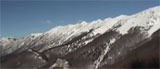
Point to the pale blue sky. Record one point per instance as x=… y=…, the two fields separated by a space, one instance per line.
x=19 y=18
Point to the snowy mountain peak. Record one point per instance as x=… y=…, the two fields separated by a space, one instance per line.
x=83 y=23
x=36 y=34
x=149 y=18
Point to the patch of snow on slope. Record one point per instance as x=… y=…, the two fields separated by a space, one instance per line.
x=103 y=53
x=88 y=41
x=60 y=63
x=155 y=27
x=155 y=20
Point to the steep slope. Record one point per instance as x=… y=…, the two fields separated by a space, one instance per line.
x=98 y=44
x=146 y=55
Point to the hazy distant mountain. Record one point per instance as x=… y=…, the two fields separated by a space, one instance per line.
x=120 y=42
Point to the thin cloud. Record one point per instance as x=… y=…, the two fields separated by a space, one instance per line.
x=47 y=22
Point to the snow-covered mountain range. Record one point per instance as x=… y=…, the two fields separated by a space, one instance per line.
x=96 y=44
